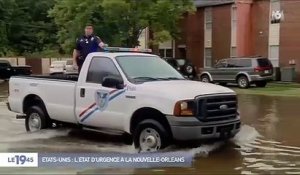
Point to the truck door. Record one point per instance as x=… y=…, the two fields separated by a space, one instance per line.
x=96 y=105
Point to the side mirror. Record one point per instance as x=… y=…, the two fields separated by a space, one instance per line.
x=113 y=82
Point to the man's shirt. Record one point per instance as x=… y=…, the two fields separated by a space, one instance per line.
x=86 y=45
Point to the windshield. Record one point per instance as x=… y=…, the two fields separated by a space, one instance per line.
x=147 y=68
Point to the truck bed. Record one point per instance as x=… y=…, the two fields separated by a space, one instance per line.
x=56 y=91
x=56 y=76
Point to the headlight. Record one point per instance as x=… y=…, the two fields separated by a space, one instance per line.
x=189 y=69
x=184 y=108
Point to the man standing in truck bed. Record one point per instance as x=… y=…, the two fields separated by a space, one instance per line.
x=86 y=44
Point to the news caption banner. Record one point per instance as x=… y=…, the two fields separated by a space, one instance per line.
x=97 y=160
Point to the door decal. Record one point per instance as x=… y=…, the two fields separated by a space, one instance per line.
x=102 y=99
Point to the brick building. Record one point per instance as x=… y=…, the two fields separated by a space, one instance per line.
x=233 y=28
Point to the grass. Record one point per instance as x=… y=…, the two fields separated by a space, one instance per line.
x=273 y=89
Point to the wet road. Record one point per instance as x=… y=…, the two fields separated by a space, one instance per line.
x=267 y=144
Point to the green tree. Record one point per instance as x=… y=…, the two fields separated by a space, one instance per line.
x=6 y=10
x=132 y=16
x=29 y=28
x=72 y=15
x=119 y=22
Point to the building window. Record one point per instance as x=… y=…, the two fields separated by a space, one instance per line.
x=233 y=25
x=208 y=27
x=165 y=53
x=208 y=14
x=169 y=53
x=274 y=55
x=275 y=5
x=208 y=37
x=233 y=52
x=162 y=53
x=208 y=57
x=274 y=51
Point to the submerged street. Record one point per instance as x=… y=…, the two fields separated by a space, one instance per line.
x=268 y=142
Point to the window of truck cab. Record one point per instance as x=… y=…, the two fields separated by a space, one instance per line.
x=101 y=67
x=134 y=66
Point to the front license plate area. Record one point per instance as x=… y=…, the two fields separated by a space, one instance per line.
x=225 y=131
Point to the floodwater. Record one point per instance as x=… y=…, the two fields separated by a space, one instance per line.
x=268 y=142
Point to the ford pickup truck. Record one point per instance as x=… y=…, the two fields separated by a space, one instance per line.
x=137 y=93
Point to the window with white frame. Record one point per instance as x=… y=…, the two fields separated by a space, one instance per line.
x=274 y=35
x=208 y=57
x=166 y=52
x=233 y=52
x=208 y=27
x=208 y=37
x=274 y=55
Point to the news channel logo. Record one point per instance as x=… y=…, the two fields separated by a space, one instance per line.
x=96 y=160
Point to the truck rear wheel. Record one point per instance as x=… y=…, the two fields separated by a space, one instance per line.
x=150 y=136
x=35 y=119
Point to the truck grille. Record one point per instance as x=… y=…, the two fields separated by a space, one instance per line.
x=216 y=108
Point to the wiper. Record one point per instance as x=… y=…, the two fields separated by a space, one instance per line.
x=146 y=78
x=171 y=78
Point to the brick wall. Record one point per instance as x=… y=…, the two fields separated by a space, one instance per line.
x=221 y=32
x=260 y=13
x=290 y=35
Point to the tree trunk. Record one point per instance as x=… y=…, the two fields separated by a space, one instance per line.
x=154 y=47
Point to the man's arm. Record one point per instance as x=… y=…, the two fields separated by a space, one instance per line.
x=101 y=44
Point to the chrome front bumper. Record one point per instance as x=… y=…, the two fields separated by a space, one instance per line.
x=190 y=128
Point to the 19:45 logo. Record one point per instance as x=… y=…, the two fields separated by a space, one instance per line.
x=20 y=159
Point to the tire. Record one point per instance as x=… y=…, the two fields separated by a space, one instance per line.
x=243 y=82
x=261 y=83
x=153 y=131
x=36 y=119
x=205 y=79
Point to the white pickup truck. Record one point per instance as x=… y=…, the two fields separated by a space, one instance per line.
x=137 y=93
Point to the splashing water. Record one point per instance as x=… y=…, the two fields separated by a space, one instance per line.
x=43 y=134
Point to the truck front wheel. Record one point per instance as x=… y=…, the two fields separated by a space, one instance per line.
x=150 y=136
x=35 y=119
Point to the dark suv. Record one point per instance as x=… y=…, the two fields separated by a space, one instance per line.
x=243 y=71
x=7 y=70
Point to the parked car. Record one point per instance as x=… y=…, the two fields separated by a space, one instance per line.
x=243 y=71
x=62 y=66
x=7 y=70
x=133 y=93
x=184 y=66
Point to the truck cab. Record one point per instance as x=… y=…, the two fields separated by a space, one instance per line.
x=136 y=93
